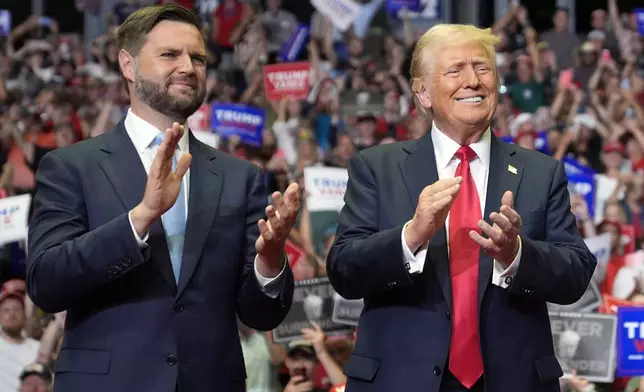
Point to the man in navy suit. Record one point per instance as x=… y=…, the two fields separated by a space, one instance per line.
x=154 y=242
x=456 y=241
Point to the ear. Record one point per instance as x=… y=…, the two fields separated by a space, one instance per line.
x=423 y=98
x=127 y=65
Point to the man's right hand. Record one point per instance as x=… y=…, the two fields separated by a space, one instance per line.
x=299 y=384
x=164 y=185
x=433 y=206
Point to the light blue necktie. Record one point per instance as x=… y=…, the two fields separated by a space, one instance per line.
x=174 y=221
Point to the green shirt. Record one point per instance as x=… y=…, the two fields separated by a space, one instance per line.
x=528 y=97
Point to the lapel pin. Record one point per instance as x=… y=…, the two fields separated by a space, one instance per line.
x=512 y=169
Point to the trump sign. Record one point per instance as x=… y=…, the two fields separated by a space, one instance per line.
x=630 y=341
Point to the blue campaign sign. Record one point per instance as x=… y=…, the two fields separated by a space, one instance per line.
x=247 y=122
x=630 y=341
x=639 y=16
x=572 y=166
x=393 y=6
x=584 y=185
x=293 y=47
x=5 y=22
x=427 y=9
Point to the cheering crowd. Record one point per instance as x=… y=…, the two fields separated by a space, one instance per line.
x=577 y=97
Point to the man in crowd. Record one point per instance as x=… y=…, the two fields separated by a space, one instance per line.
x=153 y=280
x=457 y=257
x=16 y=351
x=35 y=378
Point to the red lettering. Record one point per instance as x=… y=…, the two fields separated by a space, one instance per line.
x=639 y=345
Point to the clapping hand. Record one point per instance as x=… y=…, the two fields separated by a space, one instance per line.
x=503 y=238
x=164 y=184
x=273 y=231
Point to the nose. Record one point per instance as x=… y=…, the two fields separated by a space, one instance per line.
x=470 y=78
x=185 y=64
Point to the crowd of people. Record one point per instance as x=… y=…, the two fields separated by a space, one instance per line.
x=576 y=97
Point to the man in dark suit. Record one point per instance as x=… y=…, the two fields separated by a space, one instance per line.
x=456 y=241
x=153 y=242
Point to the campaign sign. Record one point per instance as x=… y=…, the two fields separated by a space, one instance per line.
x=326 y=187
x=312 y=302
x=294 y=253
x=572 y=166
x=293 y=47
x=287 y=80
x=639 y=16
x=247 y=122
x=583 y=185
x=393 y=6
x=585 y=342
x=14 y=218
x=200 y=120
x=630 y=341
x=341 y=12
x=346 y=311
x=5 y=22
x=430 y=10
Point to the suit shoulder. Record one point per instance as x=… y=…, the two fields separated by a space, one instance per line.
x=80 y=151
x=230 y=161
x=387 y=152
x=533 y=158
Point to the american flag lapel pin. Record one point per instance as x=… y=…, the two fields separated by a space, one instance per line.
x=512 y=169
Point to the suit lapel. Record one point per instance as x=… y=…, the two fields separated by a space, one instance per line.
x=123 y=168
x=504 y=175
x=419 y=170
x=206 y=185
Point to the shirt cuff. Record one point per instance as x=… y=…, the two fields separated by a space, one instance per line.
x=413 y=263
x=503 y=277
x=270 y=286
x=141 y=241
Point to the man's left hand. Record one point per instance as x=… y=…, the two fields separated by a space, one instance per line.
x=273 y=232
x=503 y=238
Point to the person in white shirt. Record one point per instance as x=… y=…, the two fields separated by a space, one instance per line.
x=16 y=350
x=153 y=242
x=456 y=241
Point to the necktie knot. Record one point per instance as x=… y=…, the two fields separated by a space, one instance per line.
x=465 y=153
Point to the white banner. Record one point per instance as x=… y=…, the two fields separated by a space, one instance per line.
x=599 y=246
x=14 y=218
x=341 y=12
x=325 y=187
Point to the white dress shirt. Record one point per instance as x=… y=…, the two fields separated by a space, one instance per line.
x=142 y=134
x=446 y=164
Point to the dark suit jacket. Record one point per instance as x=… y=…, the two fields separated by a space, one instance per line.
x=404 y=331
x=129 y=326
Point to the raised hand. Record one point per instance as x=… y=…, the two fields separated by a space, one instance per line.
x=431 y=211
x=503 y=238
x=164 y=184
x=273 y=231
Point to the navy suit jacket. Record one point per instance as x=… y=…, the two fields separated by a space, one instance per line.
x=404 y=330
x=130 y=327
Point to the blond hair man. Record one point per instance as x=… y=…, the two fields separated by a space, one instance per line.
x=456 y=241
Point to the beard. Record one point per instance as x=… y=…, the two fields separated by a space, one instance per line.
x=159 y=98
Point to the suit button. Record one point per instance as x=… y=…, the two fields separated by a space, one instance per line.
x=126 y=262
x=171 y=360
x=178 y=307
x=448 y=314
x=437 y=370
x=508 y=280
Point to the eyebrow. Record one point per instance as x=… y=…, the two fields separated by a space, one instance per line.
x=458 y=62
x=176 y=50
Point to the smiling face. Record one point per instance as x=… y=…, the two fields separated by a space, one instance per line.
x=462 y=89
x=169 y=72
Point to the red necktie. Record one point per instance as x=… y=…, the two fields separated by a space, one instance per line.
x=465 y=361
